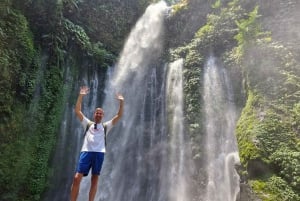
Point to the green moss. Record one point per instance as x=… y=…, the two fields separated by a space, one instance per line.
x=245 y=130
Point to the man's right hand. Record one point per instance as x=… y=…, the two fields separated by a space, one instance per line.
x=84 y=90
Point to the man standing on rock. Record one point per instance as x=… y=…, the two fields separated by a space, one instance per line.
x=93 y=148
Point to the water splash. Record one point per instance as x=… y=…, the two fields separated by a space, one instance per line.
x=221 y=145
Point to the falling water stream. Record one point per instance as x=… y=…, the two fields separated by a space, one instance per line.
x=136 y=157
x=221 y=146
x=181 y=165
x=148 y=155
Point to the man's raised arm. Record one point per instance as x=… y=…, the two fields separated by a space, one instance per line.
x=117 y=117
x=83 y=91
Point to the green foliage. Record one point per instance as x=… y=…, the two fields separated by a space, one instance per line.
x=24 y=155
x=192 y=77
x=217 y=34
x=78 y=35
x=249 y=31
x=30 y=139
x=5 y=7
x=102 y=55
x=107 y=21
x=270 y=130
x=192 y=83
x=274 y=133
x=192 y=74
x=48 y=120
x=179 y=7
x=248 y=28
x=217 y=4
x=17 y=59
x=295 y=119
x=272 y=70
x=245 y=130
x=273 y=136
x=208 y=29
x=274 y=189
x=288 y=162
x=15 y=159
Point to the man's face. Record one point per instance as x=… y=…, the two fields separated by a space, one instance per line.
x=98 y=115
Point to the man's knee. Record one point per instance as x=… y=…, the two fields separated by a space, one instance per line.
x=94 y=180
x=77 y=179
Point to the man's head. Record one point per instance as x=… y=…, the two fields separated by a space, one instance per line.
x=98 y=115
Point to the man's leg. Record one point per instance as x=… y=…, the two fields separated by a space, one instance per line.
x=94 y=185
x=96 y=168
x=75 y=186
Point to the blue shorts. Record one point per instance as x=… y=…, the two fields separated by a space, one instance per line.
x=88 y=160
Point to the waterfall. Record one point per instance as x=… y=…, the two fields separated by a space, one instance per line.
x=148 y=152
x=221 y=146
x=180 y=165
x=136 y=159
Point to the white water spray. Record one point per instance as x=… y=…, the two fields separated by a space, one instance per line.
x=221 y=146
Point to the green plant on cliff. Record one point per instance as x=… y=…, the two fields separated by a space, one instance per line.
x=274 y=189
x=78 y=35
x=217 y=35
x=45 y=133
x=16 y=59
x=18 y=72
x=266 y=130
x=245 y=130
x=179 y=6
x=192 y=85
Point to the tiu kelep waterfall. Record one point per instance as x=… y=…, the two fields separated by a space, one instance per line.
x=136 y=159
x=148 y=154
x=221 y=146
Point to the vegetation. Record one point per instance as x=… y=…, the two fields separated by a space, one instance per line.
x=18 y=66
x=274 y=189
x=17 y=58
x=179 y=6
x=266 y=124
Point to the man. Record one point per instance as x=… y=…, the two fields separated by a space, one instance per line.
x=93 y=148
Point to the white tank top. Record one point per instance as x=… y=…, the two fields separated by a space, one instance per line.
x=94 y=138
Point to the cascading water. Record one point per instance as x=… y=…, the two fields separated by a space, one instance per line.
x=181 y=165
x=221 y=147
x=148 y=154
x=136 y=157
